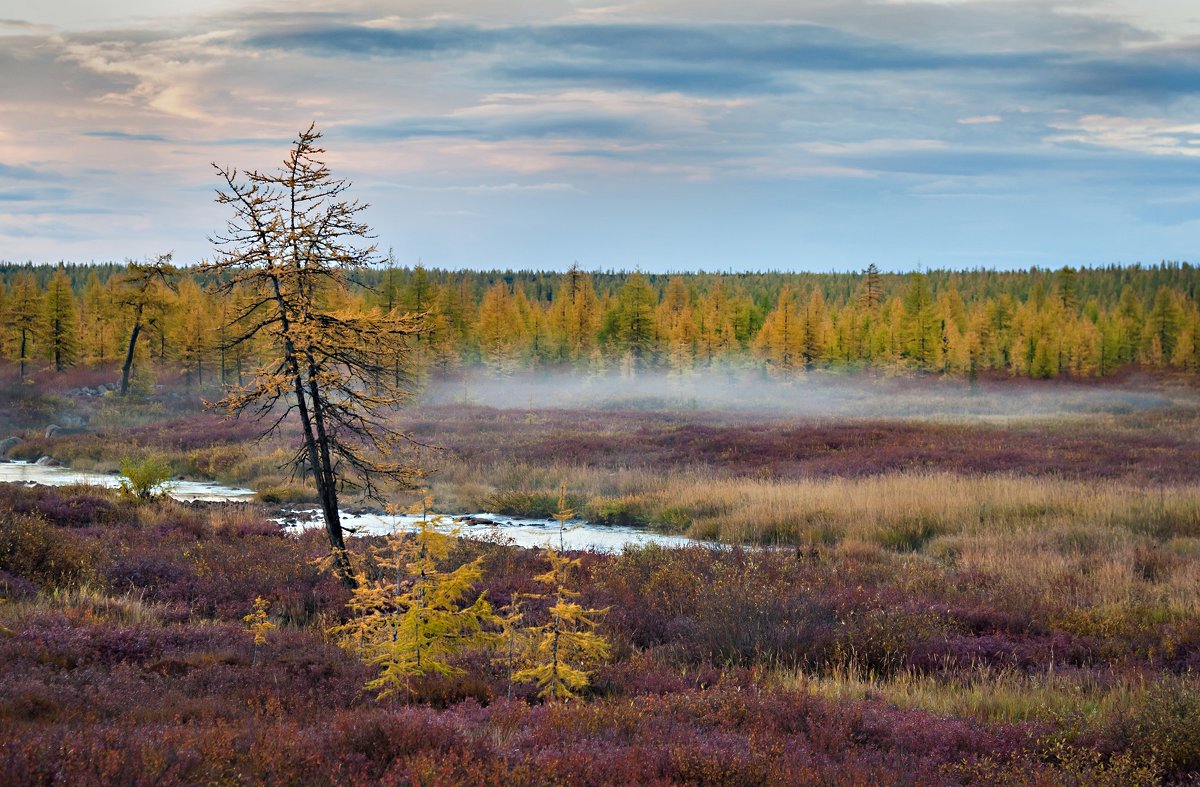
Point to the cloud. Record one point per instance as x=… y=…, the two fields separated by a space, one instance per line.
x=1151 y=136
x=15 y=172
x=716 y=58
x=364 y=41
x=22 y=25
x=682 y=129
x=577 y=126
x=1148 y=75
x=32 y=195
x=125 y=136
x=499 y=188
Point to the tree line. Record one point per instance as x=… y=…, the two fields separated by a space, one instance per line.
x=1036 y=323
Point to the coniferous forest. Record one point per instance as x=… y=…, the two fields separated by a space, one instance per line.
x=1069 y=322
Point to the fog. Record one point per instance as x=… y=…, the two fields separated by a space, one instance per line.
x=813 y=395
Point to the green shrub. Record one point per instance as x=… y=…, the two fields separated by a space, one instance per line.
x=1167 y=725
x=145 y=479
x=628 y=511
x=515 y=502
x=674 y=519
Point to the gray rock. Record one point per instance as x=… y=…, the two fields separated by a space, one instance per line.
x=54 y=430
x=47 y=461
x=7 y=444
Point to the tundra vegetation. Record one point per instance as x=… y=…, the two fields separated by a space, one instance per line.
x=944 y=599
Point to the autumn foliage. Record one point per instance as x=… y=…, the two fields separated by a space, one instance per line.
x=1037 y=323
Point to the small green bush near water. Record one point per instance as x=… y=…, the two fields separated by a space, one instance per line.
x=145 y=479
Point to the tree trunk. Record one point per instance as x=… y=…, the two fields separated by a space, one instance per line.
x=56 y=330
x=318 y=452
x=24 y=342
x=125 y=370
x=333 y=518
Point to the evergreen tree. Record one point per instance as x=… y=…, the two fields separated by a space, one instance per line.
x=1067 y=287
x=872 y=290
x=631 y=326
x=1165 y=323
x=97 y=341
x=24 y=319
x=815 y=330
x=61 y=329
x=419 y=628
x=567 y=643
x=778 y=341
x=921 y=327
x=499 y=329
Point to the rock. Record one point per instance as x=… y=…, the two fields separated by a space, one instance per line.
x=364 y=511
x=54 y=430
x=7 y=444
x=47 y=461
x=477 y=520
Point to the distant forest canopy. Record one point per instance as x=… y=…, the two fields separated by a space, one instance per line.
x=1037 y=323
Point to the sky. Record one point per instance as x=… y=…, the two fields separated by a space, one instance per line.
x=665 y=135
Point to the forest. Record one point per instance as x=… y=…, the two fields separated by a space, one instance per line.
x=1037 y=323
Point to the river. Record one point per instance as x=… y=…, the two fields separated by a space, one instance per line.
x=517 y=531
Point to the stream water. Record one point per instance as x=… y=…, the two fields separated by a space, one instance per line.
x=517 y=531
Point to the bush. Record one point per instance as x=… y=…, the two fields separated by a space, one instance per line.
x=1162 y=723
x=145 y=479
x=35 y=550
x=535 y=505
x=629 y=511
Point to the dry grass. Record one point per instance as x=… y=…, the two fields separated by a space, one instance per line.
x=989 y=695
x=1079 y=543
x=85 y=604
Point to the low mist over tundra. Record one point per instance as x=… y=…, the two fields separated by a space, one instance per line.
x=816 y=395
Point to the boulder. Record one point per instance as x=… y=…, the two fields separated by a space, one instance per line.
x=477 y=520
x=54 y=430
x=47 y=461
x=7 y=444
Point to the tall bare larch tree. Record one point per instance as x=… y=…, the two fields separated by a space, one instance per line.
x=292 y=247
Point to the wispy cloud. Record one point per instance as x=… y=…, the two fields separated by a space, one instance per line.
x=124 y=136
x=979 y=120
x=1152 y=136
